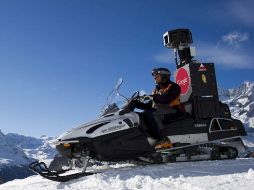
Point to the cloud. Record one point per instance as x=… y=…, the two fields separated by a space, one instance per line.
x=235 y=38
x=243 y=11
x=225 y=56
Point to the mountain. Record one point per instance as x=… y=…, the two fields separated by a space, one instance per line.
x=17 y=151
x=11 y=151
x=241 y=103
x=36 y=148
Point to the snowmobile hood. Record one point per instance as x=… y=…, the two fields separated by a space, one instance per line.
x=102 y=126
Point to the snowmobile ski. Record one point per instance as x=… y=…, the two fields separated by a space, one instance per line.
x=42 y=169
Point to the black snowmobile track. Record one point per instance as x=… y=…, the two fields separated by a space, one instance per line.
x=189 y=153
x=199 y=152
x=215 y=142
x=42 y=169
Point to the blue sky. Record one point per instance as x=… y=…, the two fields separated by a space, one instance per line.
x=59 y=58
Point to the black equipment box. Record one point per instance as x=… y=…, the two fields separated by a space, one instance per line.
x=199 y=89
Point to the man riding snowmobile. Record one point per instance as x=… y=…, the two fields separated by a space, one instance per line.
x=164 y=104
x=204 y=131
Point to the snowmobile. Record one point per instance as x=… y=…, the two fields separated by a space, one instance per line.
x=204 y=131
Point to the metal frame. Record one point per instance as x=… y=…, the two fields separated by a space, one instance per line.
x=217 y=119
x=198 y=144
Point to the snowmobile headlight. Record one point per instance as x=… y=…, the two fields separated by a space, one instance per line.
x=66 y=145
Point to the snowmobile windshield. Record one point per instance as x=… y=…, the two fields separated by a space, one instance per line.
x=115 y=100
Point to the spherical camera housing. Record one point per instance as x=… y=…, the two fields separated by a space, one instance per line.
x=177 y=38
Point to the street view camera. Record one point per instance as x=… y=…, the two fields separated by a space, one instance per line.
x=180 y=40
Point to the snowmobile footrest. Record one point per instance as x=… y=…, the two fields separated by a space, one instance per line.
x=42 y=169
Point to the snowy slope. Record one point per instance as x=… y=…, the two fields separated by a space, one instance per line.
x=10 y=170
x=217 y=175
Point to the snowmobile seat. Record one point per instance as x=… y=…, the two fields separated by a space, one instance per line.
x=169 y=118
x=171 y=121
x=182 y=125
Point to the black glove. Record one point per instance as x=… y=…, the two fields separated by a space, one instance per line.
x=146 y=98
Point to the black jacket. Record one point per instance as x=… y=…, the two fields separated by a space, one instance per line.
x=164 y=98
x=168 y=96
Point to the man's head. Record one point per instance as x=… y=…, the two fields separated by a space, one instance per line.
x=161 y=75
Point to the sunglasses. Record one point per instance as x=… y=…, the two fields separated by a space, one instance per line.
x=158 y=72
x=155 y=72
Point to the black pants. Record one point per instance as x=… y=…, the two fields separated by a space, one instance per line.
x=150 y=122
x=155 y=119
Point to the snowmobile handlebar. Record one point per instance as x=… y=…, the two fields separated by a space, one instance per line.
x=136 y=96
x=131 y=105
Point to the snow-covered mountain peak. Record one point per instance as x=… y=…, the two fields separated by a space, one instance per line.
x=12 y=152
x=46 y=138
x=17 y=151
x=246 y=89
x=241 y=102
x=248 y=84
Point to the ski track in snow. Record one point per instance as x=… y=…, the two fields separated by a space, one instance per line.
x=216 y=175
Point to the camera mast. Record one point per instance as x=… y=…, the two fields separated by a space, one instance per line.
x=180 y=40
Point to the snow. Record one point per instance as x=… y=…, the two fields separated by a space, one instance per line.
x=6 y=162
x=243 y=101
x=227 y=174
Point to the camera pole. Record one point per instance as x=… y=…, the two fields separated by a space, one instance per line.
x=179 y=40
x=175 y=54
